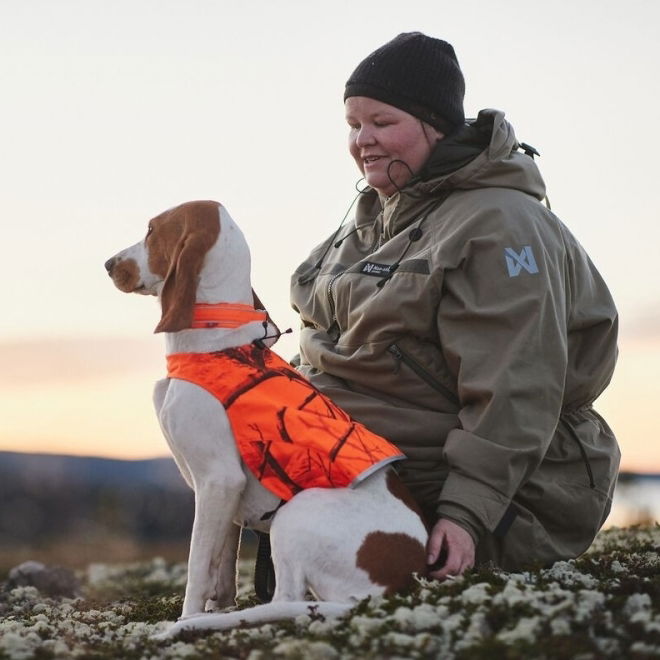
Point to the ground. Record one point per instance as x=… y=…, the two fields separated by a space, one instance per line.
x=606 y=604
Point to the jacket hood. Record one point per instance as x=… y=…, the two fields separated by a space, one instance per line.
x=484 y=154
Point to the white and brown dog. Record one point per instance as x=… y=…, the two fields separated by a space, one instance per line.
x=343 y=544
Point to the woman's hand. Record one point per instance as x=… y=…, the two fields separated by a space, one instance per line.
x=456 y=543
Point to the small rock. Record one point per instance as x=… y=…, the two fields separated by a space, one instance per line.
x=49 y=580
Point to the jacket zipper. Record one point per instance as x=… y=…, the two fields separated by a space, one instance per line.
x=331 y=300
x=428 y=378
x=333 y=330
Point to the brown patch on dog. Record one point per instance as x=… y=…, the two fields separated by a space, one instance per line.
x=177 y=243
x=396 y=486
x=125 y=275
x=390 y=559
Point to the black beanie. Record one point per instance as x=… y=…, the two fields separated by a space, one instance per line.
x=417 y=74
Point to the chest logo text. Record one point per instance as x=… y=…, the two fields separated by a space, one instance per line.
x=377 y=270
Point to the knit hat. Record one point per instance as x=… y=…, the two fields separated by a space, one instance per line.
x=417 y=74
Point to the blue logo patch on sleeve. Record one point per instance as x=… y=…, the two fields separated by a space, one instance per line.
x=516 y=262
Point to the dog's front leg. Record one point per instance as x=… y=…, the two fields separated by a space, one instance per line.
x=226 y=572
x=198 y=430
x=213 y=533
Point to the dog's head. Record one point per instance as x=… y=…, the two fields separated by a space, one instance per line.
x=168 y=262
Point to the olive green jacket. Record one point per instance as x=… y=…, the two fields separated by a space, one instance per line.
x=461 y=320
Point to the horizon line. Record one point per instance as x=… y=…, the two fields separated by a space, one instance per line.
x=624 y=472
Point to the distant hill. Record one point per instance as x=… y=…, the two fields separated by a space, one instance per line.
x=93 y=470
x=45 y=497
x=638 y=477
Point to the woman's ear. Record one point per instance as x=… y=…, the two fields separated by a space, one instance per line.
x=433 y=135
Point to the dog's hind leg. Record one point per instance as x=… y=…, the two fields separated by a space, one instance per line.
x=290 y=581
x=270 y=612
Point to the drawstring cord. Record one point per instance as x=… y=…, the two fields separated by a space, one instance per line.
x=311 y=274
x=413 y=177
x=531 y=152
x=414 y=235
x=343 y=238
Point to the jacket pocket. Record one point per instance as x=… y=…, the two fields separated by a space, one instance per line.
x=570 y=493
x=402 y=357
x=583 y=452
x=596 y=444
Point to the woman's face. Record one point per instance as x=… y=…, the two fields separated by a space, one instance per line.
x=381 y=134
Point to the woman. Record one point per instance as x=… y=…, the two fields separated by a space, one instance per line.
x=460 y=319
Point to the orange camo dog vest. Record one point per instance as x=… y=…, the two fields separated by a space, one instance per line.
x=289 y=435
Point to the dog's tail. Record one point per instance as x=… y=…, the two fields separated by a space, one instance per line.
x=274 y=611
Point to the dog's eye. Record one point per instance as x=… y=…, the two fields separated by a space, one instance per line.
x=149 y=230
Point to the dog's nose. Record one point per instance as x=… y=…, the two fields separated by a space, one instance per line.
x=109 y=264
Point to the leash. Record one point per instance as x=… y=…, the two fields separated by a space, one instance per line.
x=264 y=571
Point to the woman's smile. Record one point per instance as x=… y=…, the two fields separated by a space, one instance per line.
x=388 y=145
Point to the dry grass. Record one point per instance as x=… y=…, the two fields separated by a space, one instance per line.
x=79 y=552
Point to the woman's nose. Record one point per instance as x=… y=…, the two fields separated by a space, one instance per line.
x=365 y=136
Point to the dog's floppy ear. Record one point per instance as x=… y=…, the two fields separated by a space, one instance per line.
x=200 y=232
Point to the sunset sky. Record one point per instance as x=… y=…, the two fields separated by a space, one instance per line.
x=114 y=111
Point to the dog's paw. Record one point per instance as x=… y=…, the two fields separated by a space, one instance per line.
x=172 y=629
x=187 y=617
x=224 y=605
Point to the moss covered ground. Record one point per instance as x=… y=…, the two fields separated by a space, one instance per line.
x=605 y=604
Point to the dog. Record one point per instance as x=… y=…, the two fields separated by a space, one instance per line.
x=358 y=535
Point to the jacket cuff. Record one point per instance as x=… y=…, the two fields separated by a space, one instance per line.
x=461 y=516
x=484 y=506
